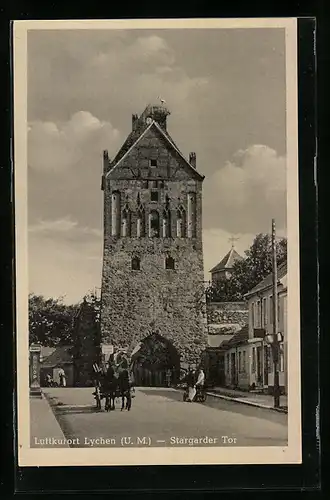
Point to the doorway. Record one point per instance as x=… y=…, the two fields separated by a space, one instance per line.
x=156 y=363
x=266 y=366
x=259 y=366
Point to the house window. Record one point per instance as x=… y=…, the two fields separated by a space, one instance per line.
x=264 y=312
x=154 y=196
x=153 y=184
x=258 y=318
x=239 y=361
x=253 y=319
x=169 y=263
x=136 y=264
x=154 y=224
x=153 y=163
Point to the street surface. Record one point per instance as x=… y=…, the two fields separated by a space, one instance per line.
x=159 y=417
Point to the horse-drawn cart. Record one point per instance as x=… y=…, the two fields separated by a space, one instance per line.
x=113 y=382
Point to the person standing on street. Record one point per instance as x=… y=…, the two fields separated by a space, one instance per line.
x=61 y=374
x=200 y=378
x=191 y=385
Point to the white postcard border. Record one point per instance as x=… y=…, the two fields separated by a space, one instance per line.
x=154 y=456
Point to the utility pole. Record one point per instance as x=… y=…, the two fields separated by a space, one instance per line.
x=275 y=343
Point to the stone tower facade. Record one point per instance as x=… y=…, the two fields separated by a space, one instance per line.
x=153 y=278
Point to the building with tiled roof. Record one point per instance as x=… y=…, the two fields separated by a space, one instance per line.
x=45 y=352
x=60 y=355
x=261 y=325
x=57 y=358
x=267 y=282
x=225 y=266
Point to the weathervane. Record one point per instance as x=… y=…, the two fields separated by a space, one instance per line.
x=232 y=240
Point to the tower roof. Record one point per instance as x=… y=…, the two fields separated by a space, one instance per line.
x=228 y=261
x=141 y=123
x=153 y=115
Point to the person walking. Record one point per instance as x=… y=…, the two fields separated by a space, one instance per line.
x=200 y=382
x=191 y=385
x=62 y=376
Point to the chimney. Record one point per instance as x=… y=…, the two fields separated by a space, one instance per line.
x=106 y=164
x=192 y=159
x=134 y=120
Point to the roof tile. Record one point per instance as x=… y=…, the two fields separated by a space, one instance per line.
x=228 y=261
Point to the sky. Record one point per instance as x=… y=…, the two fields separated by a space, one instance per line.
x=225 y=89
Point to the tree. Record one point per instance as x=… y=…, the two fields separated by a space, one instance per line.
x=92 y=299
x=50 y=321
x=224 y=290
x=247 y=273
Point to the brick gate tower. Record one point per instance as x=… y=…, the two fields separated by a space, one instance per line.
x=153 y=278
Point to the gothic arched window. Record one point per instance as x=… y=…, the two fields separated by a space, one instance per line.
x=126 y=223
x=180 y=222
x=136 y=264
x=166 y=223
x=115 y=213
x=191 y=216
x=140 y=218
x=154 y=229
x=169 y=262
x=140 y=223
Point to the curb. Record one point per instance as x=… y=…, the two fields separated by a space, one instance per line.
x=245 y=402
x=56 y=423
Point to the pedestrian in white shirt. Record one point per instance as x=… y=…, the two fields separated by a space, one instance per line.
x=61 y=374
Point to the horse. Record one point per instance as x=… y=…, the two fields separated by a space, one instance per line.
x=110 y=389
x=124 y=386
x=110 y=385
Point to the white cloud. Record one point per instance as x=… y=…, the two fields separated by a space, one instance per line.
x=57 y=147
x=62 y=226
x=248 y=192
x=59 y=225
x=65 y=259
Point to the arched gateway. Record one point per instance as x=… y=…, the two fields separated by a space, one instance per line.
x=153 y=251
x=153 y=359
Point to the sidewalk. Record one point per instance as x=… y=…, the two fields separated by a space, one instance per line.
x=249 y=398
x=43 y=423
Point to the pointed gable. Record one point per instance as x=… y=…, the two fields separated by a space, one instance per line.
x=151 y=121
